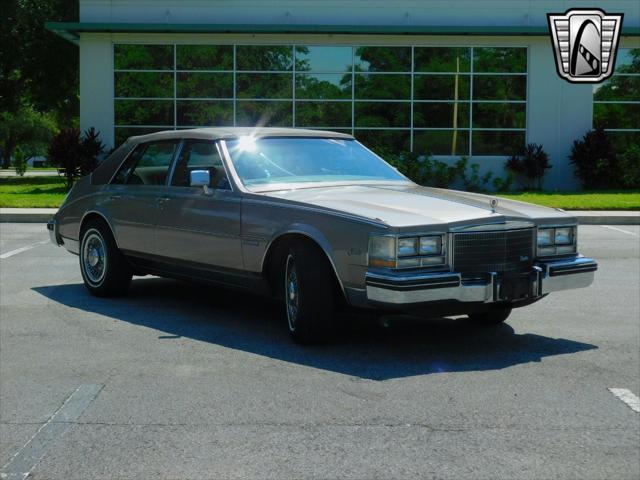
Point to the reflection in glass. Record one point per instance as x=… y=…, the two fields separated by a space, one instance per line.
x=616 y=115
x=264 y=57
x=323 y=85
x=385 y=140
x=205 y=85
x=122 y=133
x=264 y=114
x=323 y=114
x=618 y=87
x=497 y=142
x=441 y=115
x=323 y=59
x=143 y=57
x=204 y=57
x=499 y=115
x=441 y=87
x=371 y=114
x=499 y=87
x=383 y=59
x=264 y=85
x=628 y=60
x=441 y=142
x=144 y=112
x=143 y=84
x=205 y=113
x=382 y=87
x=623 y=140
x=442 y=59
x=500 y=59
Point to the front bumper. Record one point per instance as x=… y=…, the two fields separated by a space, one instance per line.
x=54 y=234
x=545 y=277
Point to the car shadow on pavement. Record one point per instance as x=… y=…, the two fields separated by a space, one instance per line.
x=368 y=345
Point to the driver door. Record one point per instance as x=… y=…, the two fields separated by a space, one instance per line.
x=201 y=230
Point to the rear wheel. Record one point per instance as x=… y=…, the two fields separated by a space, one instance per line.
x=104 y=269
x=494 y=316
x=309 y=294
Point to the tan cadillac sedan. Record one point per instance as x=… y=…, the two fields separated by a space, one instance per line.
x=314 y=219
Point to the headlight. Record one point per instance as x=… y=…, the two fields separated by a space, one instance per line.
x=556 y=241
x=406 y=252
x=431 y=245
x=564 y=236
x=408 y=247
x=545 y=237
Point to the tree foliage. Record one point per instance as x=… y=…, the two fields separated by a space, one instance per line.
x=27 y=128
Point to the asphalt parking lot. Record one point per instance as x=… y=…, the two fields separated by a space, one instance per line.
x=177 y=381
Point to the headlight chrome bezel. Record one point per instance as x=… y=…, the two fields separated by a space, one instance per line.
x=408 y=251
x=554 y=244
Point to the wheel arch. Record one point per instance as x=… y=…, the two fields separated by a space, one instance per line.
x=96 y=215
x=277 y=247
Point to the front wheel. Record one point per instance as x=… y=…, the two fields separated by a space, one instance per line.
x=309 y=294
x=494 y=316
x=104 y=269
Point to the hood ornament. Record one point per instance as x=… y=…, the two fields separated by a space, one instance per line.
x=494 y=204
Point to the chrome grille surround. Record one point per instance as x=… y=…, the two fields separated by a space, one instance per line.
x=501 y=251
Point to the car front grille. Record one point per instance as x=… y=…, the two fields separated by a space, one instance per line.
x=478 y=253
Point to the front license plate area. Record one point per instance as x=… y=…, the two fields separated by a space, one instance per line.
x=515 y=287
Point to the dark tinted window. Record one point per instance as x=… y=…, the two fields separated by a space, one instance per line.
x=147 y=165
x=200 y=155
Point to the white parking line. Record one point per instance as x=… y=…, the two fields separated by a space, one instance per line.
x=22 y=249
x=627 y=397
x=619 y=230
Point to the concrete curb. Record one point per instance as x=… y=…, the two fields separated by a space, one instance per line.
x=591 y=217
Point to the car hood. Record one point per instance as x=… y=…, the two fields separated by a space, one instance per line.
x=412 y=205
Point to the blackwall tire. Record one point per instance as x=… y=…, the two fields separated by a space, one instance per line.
x=309 y=293
x=104 y=269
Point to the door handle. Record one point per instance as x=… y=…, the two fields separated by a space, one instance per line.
x=115 y=197
x=162 y=199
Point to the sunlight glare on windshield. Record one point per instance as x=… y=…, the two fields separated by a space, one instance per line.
x=247 y=143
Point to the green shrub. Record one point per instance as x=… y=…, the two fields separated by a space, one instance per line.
x=529 y=166
x=20 y=162
x=594 y=159
x=629 y=167
x=74 y=154
x=424 y=170
x=470 y=176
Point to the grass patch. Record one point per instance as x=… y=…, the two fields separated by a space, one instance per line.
x=32 y=192
x=591 y=200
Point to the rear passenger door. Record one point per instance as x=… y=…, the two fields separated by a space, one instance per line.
x=201 y=229
x=132 y=199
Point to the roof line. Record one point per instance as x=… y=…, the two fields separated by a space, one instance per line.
x=71 y=30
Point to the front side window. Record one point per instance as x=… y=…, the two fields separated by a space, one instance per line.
x=200 y=155
x=271 y=161
x=147 y=165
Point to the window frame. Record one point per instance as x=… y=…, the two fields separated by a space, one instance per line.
x=293 y=101
x=146 y=145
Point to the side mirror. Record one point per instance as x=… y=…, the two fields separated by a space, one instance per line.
x=201 y=178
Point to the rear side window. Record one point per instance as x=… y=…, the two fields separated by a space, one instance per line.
x=200 y=155
x=147 y=165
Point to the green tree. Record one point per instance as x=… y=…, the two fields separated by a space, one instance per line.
x=27 y=128
x=38 y=71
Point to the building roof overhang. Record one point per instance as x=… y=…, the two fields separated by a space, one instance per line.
x=71 y=30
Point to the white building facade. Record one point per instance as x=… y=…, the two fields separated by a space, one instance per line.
x=449 y=78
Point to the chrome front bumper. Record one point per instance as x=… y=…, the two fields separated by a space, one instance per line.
x=545 y=277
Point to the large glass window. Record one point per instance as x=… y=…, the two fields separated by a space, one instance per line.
x=616 y=101
x=438 y=100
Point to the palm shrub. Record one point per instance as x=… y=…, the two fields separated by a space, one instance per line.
x=529 y=165
x=75 y=154
x=594 y=159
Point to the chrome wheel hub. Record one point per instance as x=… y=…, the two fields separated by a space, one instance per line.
x=291 y=297
x=94 y=257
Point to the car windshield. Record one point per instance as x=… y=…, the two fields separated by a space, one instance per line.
x=269 y=161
